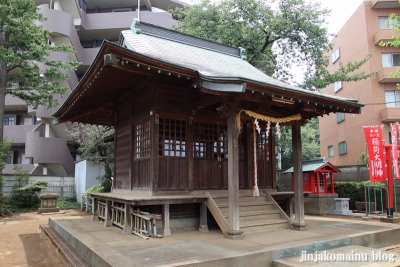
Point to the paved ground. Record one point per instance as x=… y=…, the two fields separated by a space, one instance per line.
x=23 y=244
x=190 y=247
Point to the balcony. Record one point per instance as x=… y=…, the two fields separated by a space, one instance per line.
x=50 y=152
x=383 y=35
x=381 y=4
x=384 y=76
x=390 y=114
x=17 y=133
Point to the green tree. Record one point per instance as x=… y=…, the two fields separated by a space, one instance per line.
x=25 y=58
x=4 y=154
x=309 y=143
x=95 y=148
x=275 y=33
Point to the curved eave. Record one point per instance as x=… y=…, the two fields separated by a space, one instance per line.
x=102 y=84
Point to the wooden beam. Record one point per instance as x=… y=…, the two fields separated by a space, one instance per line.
x=205 y=102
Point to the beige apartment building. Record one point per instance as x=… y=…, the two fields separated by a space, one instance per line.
x=38 y=146
x=341 y=135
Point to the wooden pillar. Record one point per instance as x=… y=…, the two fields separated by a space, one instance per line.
x=127 y=230
x=165 y=220
x=189 y=156
x=233 y=179
x=94 y=207
x=203 y=217
x=108 y=220
x=87 y=203
x=299 y=222
x=154 y=152
x=318 y=183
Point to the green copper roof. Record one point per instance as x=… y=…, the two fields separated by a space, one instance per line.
x=207 y=62
x=311 y=165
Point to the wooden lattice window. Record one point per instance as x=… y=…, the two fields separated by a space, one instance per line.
x=142 y=139
x=205 y=140
x=172 y=135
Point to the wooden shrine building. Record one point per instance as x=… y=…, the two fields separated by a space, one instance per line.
x=183 y=109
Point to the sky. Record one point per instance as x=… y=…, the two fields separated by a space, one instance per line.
x=341 y=11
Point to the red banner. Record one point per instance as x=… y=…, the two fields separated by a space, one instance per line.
x=395 y=153
x=376 y=156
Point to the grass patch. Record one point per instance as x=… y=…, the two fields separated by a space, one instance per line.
x=16 y=209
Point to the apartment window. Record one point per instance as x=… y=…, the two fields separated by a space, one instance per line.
x=330 y=151
x=342 y=148
x=339 y=116
x=335 y=55
x=9 y=120
x=386 y=23
x=392 y=99
x=390 y=60
x=12 y=85
x=338 y=86
x=172 y=136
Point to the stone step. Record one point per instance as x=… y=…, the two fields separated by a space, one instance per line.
x=249 y=206
x=252 y=226
x=257 y=215
x=225 y=200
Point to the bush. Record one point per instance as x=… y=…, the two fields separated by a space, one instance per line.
x=355 y=191
x=66 y=203
x=23 y=195
x=98 y=188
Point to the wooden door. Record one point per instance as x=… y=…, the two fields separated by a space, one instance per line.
x=210 y=159
x=173 y=164
x=264 y=159
x=206 y=164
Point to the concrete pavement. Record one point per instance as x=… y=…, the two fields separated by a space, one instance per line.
x=107 y=246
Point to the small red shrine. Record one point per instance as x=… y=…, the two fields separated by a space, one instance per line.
x=318 y=176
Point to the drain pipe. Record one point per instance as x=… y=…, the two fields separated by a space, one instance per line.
x=138 y=9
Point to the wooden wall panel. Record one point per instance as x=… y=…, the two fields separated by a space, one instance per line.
x=123 y=157
x=163 y=173
x=206 y=174
x=141 y=174
x=173 y=173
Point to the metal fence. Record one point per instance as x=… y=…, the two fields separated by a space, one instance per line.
x=64 y=186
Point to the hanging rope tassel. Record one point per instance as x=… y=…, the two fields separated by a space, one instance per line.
x=256 y=193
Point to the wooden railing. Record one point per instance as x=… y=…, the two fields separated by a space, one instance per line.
x=101 y=209
x=118 y=214
x=216 y=213
x=277 y=207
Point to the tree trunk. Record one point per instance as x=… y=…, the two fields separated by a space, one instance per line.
x=3 y=85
